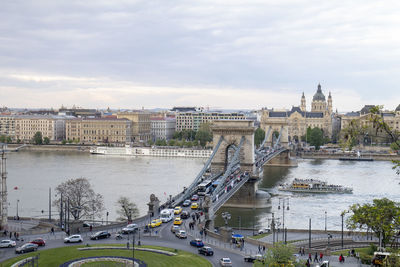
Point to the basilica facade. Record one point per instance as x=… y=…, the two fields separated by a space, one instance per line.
x=293 y=123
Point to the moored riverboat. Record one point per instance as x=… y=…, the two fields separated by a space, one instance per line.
x=314 y=186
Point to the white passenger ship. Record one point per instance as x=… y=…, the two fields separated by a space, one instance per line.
x=152 y=151
x=314 y=186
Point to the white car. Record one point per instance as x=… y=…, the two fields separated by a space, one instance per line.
x=73 y=239
x=7 y=243
x=225 y=262
x=130 y=228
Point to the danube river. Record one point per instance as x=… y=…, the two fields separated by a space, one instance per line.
x=33 y=173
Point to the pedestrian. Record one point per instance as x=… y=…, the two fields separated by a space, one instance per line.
x=309 y=257
x=259 y=248
x=321 y=256
x=52 y=230
x=10 y=234
x=205 y=233
x=15 y=235
x=316 y=257
x=68 y=232
x=78 y=230
x=308 y=263
x=304 y=253
x=264 y=249
x=300 y=251
x=90 y=228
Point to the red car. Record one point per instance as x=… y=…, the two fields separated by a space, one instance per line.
x=195 y=198
x=38 y=241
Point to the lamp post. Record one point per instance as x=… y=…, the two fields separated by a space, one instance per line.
x=226 y=216
x=309 y=234
x=325 y=221
x=283 y=215
x=107 y=218
x=17 y=208
x=342 y=215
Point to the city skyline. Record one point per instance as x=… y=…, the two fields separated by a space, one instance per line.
x=225 y=55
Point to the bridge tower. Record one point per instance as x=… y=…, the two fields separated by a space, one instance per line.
x=232 y=132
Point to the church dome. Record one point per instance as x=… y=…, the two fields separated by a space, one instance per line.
x=319 y=96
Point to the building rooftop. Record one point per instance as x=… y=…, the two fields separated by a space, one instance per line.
x=319 y=96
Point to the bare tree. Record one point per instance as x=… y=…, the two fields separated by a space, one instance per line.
x=83 y=201
x=127 y=210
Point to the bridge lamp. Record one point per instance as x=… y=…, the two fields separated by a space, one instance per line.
x=226 y=216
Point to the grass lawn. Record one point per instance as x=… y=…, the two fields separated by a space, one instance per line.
x=346 y=251
x=55 y=257
x=260 y=236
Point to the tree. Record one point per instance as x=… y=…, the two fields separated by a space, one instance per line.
x=64 y=142
x=280 y=255
x=379 y=123
x=83 y=201
x=46 y=140
x=9 y=140
x=37 y=138
x=382 y=217
x=127 y=210
x=350 y=135
x=204 y=134
x=2 y=138
x=316 y=138
x=172 y=142
x=259 y=136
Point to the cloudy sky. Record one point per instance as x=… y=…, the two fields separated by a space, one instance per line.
x=220 y=54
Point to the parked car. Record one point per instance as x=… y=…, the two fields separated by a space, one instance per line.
x=185 y=214
x=177 y=221
x=28 y=247
x=130 y=228
x=195 y=198
x=186 y=203
x=181 y=234
x=207 y=251
x=197 y=243
x=252 y=258
x=177 y=210
x=38 y=241
x=175 y=228
x=7 y=243
x=264 y=231
x=100 y=235
x=194 y=206
x=73 y=239
x=225 y=262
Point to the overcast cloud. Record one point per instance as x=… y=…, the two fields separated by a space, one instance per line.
x=221 y=54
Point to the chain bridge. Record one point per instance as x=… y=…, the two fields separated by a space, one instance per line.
x=235 y=166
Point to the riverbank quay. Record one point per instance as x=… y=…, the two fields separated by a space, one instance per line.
x=337 y=156
x=56 y=148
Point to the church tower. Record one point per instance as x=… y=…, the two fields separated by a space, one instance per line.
x=303 y=103
x=318 y=103
x=330 y=103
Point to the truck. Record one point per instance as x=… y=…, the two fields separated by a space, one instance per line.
x=166 y=215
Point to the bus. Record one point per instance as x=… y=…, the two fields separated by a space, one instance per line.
x=202 y=188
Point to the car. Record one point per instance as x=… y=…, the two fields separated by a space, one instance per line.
x=38 y=241
x=130 y=228
x=7 y=243
x=155 y=223
x=264 y=231
x=252 y=258
x=181 y=234
x=225 y=262
x=177 y=221
x=195 y=198
x=207 y=251
x=73 y=239
x=175 y=228
x=100 y=235
x=28 y=247
x=185 y=214
x=177 y=210
x=194 y=206
x=197 y=243
x=186 y=203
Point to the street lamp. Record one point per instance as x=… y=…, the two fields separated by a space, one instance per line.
x=283 y=215
x=342 y=215
x=325 y=221
x=226 y=216
x=17 y=208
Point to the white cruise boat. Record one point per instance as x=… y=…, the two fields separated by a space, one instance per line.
x=314 y=186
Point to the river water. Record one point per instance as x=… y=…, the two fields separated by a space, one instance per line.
x=138 y=177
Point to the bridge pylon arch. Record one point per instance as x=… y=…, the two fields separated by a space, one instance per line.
x=232 y=131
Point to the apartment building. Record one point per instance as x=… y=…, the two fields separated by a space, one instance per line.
x=162 y=128
x=7 y=126
x=99 y=130
x=141 y=124
x=26 y=126
x=193 y=120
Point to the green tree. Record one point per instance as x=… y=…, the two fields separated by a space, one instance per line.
x=177 y=135
x=46 y=140
x=379 y=124
x=259 y=136
x=63 y=141
x=172 y=142
x=126 y=209
x=161 y=142
x=37 y=138
x=2 y=138
x=316 y=138
x=83 y=201
x=9 y=140
x=150 y=142
x=279 y=255
x=204 y=134
x=382 y=217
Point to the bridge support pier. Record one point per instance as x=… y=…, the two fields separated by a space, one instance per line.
x=249 y=197
x=283 y=160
